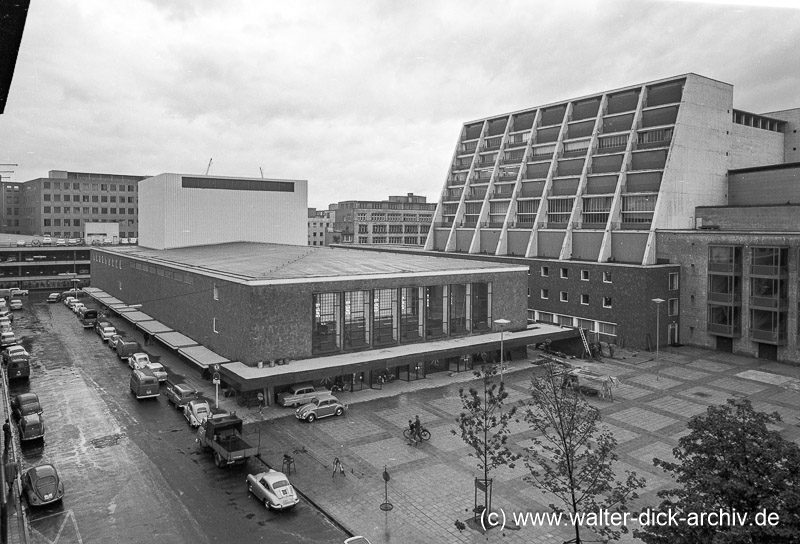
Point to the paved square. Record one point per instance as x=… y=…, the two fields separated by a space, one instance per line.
x=620 y=435
x=738 y=385
x=644 y=419
x=398 y=417
x=443 y=439
x=765 y=377
x=684 y=373
x=678 y=406
x=710 y=366
x=707 y=395
x=348 y=428
x=659 y=382
x=660 y=450
x=630 y=392
x=390 y=452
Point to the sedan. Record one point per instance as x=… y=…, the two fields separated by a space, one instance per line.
x=196 y=412
x=15 y=304
x=31 y=427
x=138 y=361
x=16 y=292
x=7 y=338
x=25 y=404
x=113 y=341
x=321 y=406
x=74 y=242
x=47 y=241
x=41 y=485
x=61 y=242
x=53 y=297
x=77 y=307
x=106 y=333
x=15 y=353
x=180 y=394
x=273 y=489
x=158 y=371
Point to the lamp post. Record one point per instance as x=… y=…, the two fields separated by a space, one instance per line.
x=502 y=323
x=658 y=302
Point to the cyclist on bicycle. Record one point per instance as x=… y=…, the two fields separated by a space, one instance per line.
x=412 y=433
x=417 y=429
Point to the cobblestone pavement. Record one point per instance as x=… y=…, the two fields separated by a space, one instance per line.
x=431 y=485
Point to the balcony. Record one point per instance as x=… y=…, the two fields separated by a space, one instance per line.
x=729 y=268
x=724 y=329
x=514 y=158
x=491 y=145
x=768 y=336
x=516 y=142
x=508 y=176
x=769 y=303
x=654 y=138
x=452 y=195
x=612 y=144
x=768 y=270
x=477 y=194
x=733 y=299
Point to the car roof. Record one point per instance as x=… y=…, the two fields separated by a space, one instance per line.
x=22 y=397
x=272 y=476
x=42 y=471
x=183 y=387
x=30 y=417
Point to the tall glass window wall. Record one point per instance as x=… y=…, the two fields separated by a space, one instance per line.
x=410 y=313
x=481 y=306
x=459 y=318
x=325 y=334
x=435 y=311
x=356 y=319
x=384 y=320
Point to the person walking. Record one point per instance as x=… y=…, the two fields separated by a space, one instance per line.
x=418 y=428
x=6 y=436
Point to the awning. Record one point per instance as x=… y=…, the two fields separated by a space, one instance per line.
x=176 y=340
x=117 y=307
x=136 y=317
x=112 y=300
x=123 y=309
x=153 y=327
x=202 y=356
x=93 y=290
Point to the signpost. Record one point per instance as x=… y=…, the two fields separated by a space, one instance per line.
x=386 y=505
x=215 y=380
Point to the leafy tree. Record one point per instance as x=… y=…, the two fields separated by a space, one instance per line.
x=572 y=458
x=731 y=462
x=483 y=425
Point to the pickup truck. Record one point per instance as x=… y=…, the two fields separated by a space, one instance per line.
x=223 y=435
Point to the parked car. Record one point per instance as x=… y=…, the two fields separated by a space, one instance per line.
x=133 y=241
x=73 y=302
x=25 y=404
x=5 y=312
x=41 y=485
x=105 y=333
x=15 y=304
x=322 y=406
x=61 y=242
x=126 y=348
x=47 y=241
x=357 y=540
x=138 y=360
x=74 y=242
x=5 y=324
x=299 y=393
x=273 y=489
x=20 y=243
x=7 y=338
x=69 y=300
x=77 y=307
x=31 y=427
x=196 y=412
x=114 y=341
x=15 y=353
x=16 y=292
x=159 y=371
x=180 y=394
x=53 y=297
x=123 y=241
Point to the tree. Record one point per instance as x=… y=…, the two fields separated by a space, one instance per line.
x=731 y=462
x=484 y=426
x=572 y=459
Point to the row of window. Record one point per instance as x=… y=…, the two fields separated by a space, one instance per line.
x=407 y=240
x=609 y=329
x=391 y=229
x=79 y=234
x=65 y=185
x=85 y=210
x=563 y=296
x=168 y=273
x=85 y=198
x=393 y=217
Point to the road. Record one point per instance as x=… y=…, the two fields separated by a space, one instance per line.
x=132 y=470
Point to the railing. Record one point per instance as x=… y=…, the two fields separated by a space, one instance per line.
x=469 y=224
x=762 y=270
x=452 y=194
x=511 y=160
x=724 y=329
x=508 y=177
x=476 y=194
x=491 y=145
x=772 y=337
x=772 y=303
x=731 y=268
x=609 y=143
x=516 y=143
x=522 y=225
x=541 y=156
x=725 y=298
x=654 y=138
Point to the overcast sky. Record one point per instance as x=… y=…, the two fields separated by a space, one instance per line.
x=362 y=98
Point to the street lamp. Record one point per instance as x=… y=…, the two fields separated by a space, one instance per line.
x=658 y=302
x=502 y=323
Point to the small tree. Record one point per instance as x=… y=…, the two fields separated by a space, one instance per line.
x=731 y=462
x=483 y=425
x=572 y=459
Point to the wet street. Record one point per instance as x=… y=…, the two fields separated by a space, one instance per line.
x=132 y=470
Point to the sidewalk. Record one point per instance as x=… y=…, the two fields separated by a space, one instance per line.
x=431 y=486
x=17 y=523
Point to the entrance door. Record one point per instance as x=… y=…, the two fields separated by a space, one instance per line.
x=672 y=334
x=768 y=351
x=724 y=344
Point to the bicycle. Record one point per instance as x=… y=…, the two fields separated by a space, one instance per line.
x=424 y=434
x=386 y=376
x=341 y=385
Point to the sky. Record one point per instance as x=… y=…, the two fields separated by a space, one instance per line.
x=364 y=99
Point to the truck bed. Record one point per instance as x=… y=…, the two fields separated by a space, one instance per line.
x=234 y=444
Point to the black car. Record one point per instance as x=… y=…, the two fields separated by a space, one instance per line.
x=25 y=404
x=41 y=485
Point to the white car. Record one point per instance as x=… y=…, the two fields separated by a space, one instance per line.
x=15 y=292
x=196 y=412
x=133 y=241
x=15 y=304
x=138 y=361
x=69 y=300
x=273 y=489
x=77 y=307
x=123 y=241
x=106 y=333
x=158 y=371
x=7 y=338
x=61 y=242
x=47 y=241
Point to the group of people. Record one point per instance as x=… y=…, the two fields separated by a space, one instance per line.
x=414 y=431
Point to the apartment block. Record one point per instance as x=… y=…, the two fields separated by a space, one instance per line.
x=398 y=221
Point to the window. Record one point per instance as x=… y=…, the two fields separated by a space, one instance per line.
x=362 y=239
x=114 y=199
x=606 y=302
x=94 y=198
x=672 y=306
x=563 y=296
x=103 y=187
x=103 y=210
x=103 y=198
x=544 y=271
x=216 y=292
x=584 y=275
x=214 y=325
x=47 y=223
x=362 y=229
x=544 y=294
x=585 y=300
x=66 y=198
x=95 y=210
x=565 y=273
x=564 y=320
x=56 y=209
x=379 y=239
x=46 y=184
x=46 y=209
x=606 y=277
x=545 y=317
x=673 y=281
x=46 y=197
x=607 y=328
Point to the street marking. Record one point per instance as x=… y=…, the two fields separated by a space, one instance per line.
x=67 y=516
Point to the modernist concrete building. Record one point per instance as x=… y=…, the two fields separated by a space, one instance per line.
x=398 y=221
x=180 y=210
x=739 y=269
x=61 y=203
x=580 y=188
x=320 y=228
x=330 y=311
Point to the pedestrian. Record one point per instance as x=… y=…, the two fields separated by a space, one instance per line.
x=6 y=436
x=147 y=339
x=418 y=427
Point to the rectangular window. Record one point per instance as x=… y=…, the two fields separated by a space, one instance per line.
x=606 y=302
x=585 y=299
x=103 y=198
x=608 y=329
x=606 y=277
x=673 y=281
x=544 y=294
x=356 y=319
x=214 y=325
x=459 y=316
x=384 y=317
x=435 y=311
x=95 y=198
x=672 y=306
x=216 y=292
x=325 y=334
x=544 y=271
x=95 y=210
x=565 y=273
x=66 y=198
x=584 y=275
x=56 y=209
x=481 y=307
x=545 y=317
x=563 y=296
x=46 y=197
x=104 y=210
x=46 y=209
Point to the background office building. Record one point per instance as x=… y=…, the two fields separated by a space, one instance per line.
x=61 y=203
x=320 y=228
x=580 y=188
x=399 y=221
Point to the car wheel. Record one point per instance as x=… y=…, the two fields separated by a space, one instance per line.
x=266 y=504
x=311 y=417
x=339 y=411
x=219 y=460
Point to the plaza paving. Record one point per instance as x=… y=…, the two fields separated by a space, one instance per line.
x=431 y=486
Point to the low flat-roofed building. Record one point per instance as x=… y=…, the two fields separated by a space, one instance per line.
x=258 y=303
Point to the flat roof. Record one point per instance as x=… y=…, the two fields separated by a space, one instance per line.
x=263 y=263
